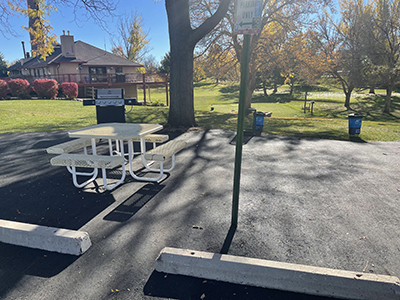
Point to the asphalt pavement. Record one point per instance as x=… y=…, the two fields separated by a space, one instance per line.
x=315 y=202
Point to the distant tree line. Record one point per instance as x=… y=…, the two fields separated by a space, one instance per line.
x=301 y=41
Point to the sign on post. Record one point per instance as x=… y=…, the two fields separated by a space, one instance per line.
x=247 y=22
x=248 y=16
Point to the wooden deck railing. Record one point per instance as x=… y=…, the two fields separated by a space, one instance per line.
x=86 y=78
x=105 y=80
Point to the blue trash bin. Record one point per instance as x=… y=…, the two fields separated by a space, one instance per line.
x=260 y=121
x=355 y=123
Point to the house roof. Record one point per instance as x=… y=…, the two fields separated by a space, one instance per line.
x=93 y=56
x=36 y=62
x=85 y=54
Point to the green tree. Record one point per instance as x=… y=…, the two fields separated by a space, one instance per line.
x=292 y=15
x=198 y=69
x=218 y=62
x=165 y=64
x=386 y=34
x=3 y=66
x=132 y=42
x=270 y=47
x=39 y=28
x=342 y=45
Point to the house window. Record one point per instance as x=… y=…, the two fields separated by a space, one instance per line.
x=97 y=70
x=118 y=70
x=98 y=74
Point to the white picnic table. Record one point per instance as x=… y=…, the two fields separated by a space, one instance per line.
x=120 y=133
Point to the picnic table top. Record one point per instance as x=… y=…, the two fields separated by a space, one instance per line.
x=121 y=131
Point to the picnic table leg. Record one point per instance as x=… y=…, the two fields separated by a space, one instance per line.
x=148 y=164
x=93 y=173
x=74 y=173
x=143 y=150
x=75 y=181
x=104 y=174
x=81 y=173
x=110 y=146
x=94 y=146
x=131 y=153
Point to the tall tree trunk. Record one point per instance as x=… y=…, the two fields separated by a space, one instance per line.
x=265 y=88
x=371 y=90
x=275 y=90
x=183 y=39
x=388 y=99
x=347 y=89
x=347 y=100
x=291 y=87
x=181 y=111
x=32 y=5
x=305 y=101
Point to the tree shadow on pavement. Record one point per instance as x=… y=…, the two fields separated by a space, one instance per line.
x=187 y=288
x=51 y=200
x=17 y=261
x=133 y=204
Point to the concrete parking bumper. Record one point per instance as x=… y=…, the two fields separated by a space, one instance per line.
x=278 y=275
x=45 y=238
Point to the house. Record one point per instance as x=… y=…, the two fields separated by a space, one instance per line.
x=88 y=66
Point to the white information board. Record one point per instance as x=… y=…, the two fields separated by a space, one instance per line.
x=248 y=16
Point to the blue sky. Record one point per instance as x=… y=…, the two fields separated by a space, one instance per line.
x=154 y=21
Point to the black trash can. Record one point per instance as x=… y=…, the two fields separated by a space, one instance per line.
x=355 y=121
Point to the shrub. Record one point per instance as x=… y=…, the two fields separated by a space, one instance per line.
x=3 y=89
x=19 y=88
x=46 y=88
x=70 y=89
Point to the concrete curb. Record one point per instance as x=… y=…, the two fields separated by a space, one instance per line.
x=278 y=275
x=45 y=238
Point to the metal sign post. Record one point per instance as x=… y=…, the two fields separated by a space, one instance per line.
x=244 y=69
x=247 y=22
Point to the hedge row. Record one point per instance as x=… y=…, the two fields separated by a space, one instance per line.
x=44 y=88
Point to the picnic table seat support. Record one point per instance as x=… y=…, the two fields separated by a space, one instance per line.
x=150 y=138
x=74 y=145
x=72 y=161
x=160 y=154
x=71 y=146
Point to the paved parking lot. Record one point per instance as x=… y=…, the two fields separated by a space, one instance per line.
x=323 y=203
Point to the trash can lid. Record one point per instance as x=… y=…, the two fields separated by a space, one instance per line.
x=260 y=113
x=353 y=115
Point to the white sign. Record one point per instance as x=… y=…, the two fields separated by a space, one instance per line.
x=248 y=16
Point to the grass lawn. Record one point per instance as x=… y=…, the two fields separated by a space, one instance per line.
x=216 y=107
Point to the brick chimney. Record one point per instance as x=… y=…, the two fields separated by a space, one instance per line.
x=67 y=45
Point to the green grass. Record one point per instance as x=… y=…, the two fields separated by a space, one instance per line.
x=288 y=118
x=43 y=115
